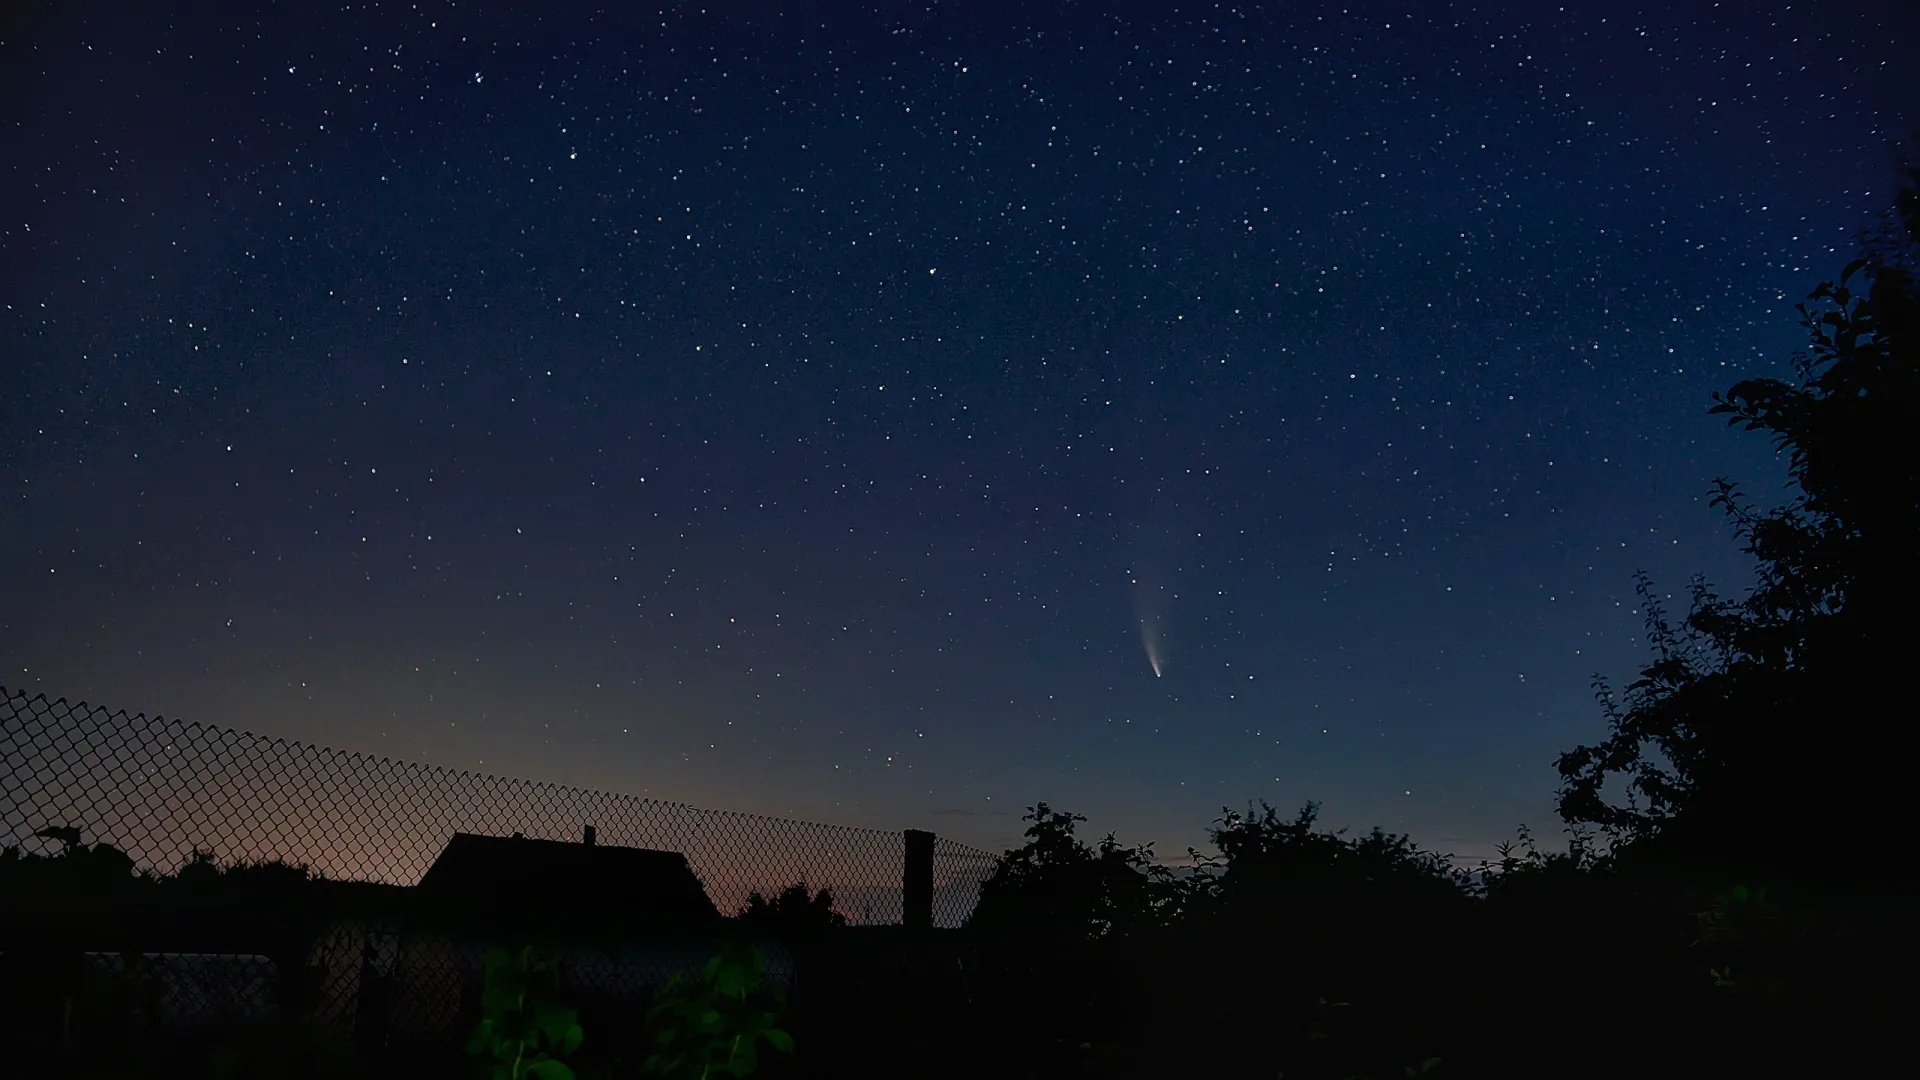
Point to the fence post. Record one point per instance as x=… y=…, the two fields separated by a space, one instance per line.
x=917 y=888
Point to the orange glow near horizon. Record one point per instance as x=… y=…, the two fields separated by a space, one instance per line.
x=160 y=790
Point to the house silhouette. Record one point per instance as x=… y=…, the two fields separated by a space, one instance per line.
x=621 y=920
x=518 y=881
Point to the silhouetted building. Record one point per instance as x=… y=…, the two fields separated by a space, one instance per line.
x=536 y=884
x=620 y=920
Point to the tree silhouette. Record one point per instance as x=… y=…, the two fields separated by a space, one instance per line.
x=79 y=870
x=1261 y=852
x=1056 y=891
x=1762 y=730
x=793 y=911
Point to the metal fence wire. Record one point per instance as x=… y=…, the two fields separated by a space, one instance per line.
x=160 y=790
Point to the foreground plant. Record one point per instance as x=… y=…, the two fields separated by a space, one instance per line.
x=1763 y=932
x=524 y=1028
x=710 y=1029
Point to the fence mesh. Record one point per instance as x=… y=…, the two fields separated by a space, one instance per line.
x=160 y=790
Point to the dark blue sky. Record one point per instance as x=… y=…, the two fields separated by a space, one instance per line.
x=842 y=414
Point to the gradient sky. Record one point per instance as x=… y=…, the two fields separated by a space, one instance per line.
x=894 y=416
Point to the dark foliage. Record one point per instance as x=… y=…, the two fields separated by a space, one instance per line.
x=1057 y=892
x=77 y=871
x=793 y=913
x=1295 y=933
x=1765 y=725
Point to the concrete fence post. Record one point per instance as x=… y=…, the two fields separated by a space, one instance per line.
x=917 y=888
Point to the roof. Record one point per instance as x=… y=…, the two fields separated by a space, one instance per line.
x=578 y=882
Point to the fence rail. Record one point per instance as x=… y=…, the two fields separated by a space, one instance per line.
x=161 y=789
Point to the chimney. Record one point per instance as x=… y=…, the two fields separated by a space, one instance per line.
x=588 y=840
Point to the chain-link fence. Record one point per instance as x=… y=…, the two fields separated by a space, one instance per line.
x=161 y=790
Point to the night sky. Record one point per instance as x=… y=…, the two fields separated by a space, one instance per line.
x=896 y=416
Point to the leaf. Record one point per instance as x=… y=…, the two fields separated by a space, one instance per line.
x=551 y=1070
x=781 y=1041
x=482 y=1038
x=500 y=997
x=552 y=1020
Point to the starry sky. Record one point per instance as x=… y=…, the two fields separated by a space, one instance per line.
x=897 y=415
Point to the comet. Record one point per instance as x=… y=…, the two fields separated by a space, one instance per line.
x=1148 y=607
x=1152 y=644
